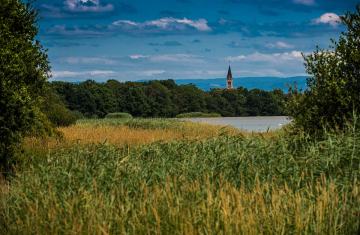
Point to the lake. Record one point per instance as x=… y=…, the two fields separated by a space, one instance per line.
x=258 y=124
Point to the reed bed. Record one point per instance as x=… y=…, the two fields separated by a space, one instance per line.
x=225 y=184
x=130 y=132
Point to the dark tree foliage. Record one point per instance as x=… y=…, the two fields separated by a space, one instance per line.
x=166 y=99
x=24 y=69
x=54 y=109
x=334 y=88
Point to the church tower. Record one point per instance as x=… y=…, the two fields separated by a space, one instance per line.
x=229 y=80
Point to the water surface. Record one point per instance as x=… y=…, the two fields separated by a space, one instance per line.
x=247 y=123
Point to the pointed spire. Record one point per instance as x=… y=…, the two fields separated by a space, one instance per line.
x=229 y=72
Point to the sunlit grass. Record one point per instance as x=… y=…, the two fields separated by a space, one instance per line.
x=206 y=180
x=127 y=132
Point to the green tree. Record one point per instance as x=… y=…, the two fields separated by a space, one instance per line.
x=334 y=88
x=54 y=109
x=160 y=99
x=236 y=100
x=104 y=99
x=130 y=98
x=189 y=98
x=24 y=69
x=279 y=98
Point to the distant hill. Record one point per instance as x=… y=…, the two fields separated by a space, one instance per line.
x=264 y=83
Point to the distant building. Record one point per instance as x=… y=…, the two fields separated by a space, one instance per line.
x=229 y=80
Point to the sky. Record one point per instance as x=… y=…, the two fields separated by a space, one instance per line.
x=131 y=40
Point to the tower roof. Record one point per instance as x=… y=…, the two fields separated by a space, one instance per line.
x=229 y=73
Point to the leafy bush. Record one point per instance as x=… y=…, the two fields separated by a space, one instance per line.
x=197 y=114
x=94 y=116
x=60 y=115
x=54 y=109
x=211 y=115
x=78 y=114
x=334 y=93
x=24 y=68
x=119 y=115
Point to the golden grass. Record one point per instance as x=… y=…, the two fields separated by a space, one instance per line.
x=87 y=133
x=189 y=187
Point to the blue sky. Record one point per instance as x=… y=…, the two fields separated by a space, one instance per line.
x=184 y=39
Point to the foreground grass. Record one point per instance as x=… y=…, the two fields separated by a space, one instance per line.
x=224 y=184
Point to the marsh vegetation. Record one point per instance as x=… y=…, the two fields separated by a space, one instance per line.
x=160 y=176
x=143 y=176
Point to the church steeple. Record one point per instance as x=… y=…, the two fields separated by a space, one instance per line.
x=229 y=76
x=229 y=79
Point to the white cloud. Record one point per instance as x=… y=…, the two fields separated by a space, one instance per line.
x=169 y=22
x=215 y=72
x=305 y=2
x=328 y=18
x=179 y=58
x=222 y=21
x=191 y=73
x=75 y=31
x=56 y=74
x=51 y=8
x=138 y=56
x=86 y=60
x=274 y=58
x=149 y=73
x=167 y=25
x=236 y=58
x=92 y=6
x=279 y=45
x=260 y=73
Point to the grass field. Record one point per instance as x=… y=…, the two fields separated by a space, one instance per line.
x=161 y=176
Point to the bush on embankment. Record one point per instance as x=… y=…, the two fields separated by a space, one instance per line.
x=197 y=115
x=119 y=115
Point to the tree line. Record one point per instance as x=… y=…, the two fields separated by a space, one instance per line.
x=164 y=98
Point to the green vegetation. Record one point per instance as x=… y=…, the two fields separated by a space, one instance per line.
x=78 y=115
x=197 y=114
x=152 y=176
x=119 y=115
x=24 y=69
x=54 y=109
x=166 y=99
x=224 y=184
x=334 y=94
x=135 y=123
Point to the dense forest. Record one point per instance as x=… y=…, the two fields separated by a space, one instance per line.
x=163 y=98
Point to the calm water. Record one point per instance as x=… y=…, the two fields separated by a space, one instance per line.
x=247 y=123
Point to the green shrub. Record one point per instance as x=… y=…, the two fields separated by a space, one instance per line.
x=94 y=116
x=333 y=97
x=211 y=115
x=197 y=114
x=119 y=115
x=78 y=114
x=24 y=68
x=59 y=115
x=54 y=109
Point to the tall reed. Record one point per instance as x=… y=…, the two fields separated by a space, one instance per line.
x=226 y=184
